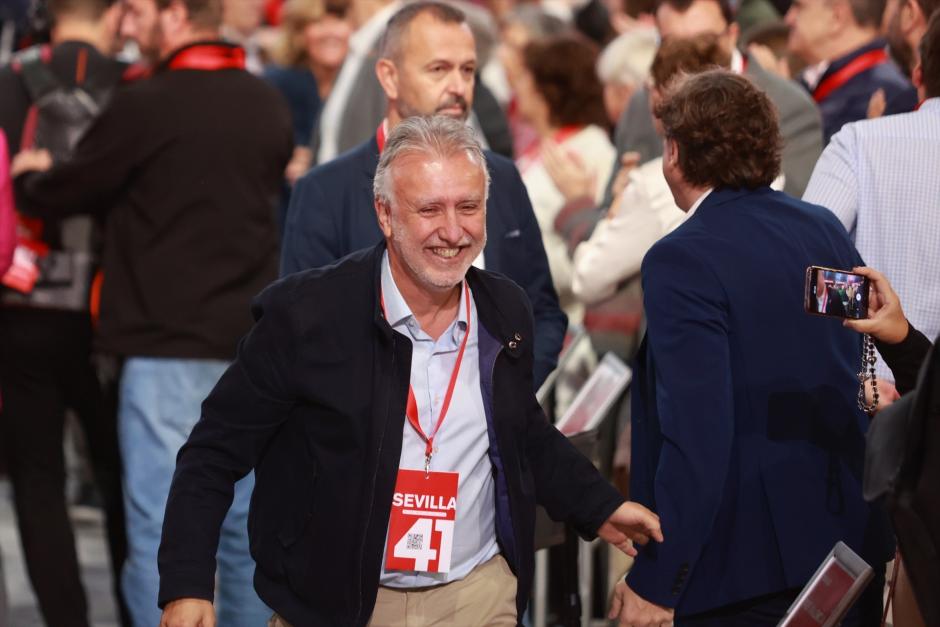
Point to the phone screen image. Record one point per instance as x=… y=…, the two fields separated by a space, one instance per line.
x=836 y=293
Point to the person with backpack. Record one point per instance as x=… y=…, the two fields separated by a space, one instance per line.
x=187 y=181
x=50 y=96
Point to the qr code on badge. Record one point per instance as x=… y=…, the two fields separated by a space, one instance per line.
x=415 y=541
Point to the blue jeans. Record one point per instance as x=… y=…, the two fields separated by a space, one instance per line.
x=160 y=401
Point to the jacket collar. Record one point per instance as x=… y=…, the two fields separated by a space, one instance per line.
x=723 y=195
x=370 y=164
x=221 y=47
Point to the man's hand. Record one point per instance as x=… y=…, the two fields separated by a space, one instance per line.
x=628 y=162
x=630 y=523
x=188 y=613
x=886 y=321
x=877 y=104
x=299 y=163
x=887 y=394
x=633 y=610
x=30 y=161
x=572 y=178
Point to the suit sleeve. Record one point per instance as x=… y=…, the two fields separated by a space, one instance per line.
x=244 y=410
x=905 y=358
x=567 y=484
x=311 y=234
x=834 y=183
x=536 y=279
x=688 y=338
x=801 y=127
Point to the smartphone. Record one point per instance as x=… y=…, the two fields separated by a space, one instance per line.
x=836 y=293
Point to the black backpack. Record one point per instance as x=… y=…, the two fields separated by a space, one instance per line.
x=59 y=115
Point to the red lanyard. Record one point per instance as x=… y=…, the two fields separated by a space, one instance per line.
x=412 y=409
x=209 y=57
x=380 y=136
x=859 y=64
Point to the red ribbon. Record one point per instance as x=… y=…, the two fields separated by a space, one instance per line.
x=380 y=136
x=859 y=64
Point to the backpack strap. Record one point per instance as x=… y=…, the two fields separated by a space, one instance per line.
x=33 y=65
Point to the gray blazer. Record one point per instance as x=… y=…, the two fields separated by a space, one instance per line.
x=363 y=110
x=800 y=126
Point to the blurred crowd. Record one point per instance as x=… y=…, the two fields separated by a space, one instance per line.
x=170 y=158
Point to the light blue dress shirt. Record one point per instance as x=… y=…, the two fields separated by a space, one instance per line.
x=881 y=178
x=461 y=445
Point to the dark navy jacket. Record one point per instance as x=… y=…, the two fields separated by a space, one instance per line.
x=315 y=404
x=332 y=214
x=747 y=440
x=849 y=103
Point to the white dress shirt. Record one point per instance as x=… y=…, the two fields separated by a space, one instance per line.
x=462 y=444
x=880 y=178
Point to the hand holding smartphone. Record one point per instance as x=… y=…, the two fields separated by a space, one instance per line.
x=836 y=293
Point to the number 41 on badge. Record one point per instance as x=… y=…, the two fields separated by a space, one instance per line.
x=421 y=525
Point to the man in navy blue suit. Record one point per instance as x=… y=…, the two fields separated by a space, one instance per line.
x=426 y=67
x=747 y=440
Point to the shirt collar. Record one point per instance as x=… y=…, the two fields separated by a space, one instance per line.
x=699 y=202
x=399 y=314
x=931 y=104
x=737 y=61
x=813 y=73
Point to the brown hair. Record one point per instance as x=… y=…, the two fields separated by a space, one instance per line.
x=681 y=6
x=81 y=9
x=930 y=57
x=725 y=129
x=295 y=17
x=562 y=68
x=867 y=12
x=203 y=14
x=390 y=43
x=688 y=56
x=636 y=8
x=928 y=7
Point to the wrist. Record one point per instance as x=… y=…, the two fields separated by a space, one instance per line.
x=897 y=335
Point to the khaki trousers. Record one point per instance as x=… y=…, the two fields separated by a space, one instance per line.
x=487 y=596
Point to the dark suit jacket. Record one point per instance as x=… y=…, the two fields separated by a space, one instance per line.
x=800 y=127
x=315 y=404
x=849 y=103
x=750 y=452
x=332 y=214
x=834 y=303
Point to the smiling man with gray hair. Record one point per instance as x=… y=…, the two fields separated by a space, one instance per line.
x=385 y=404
